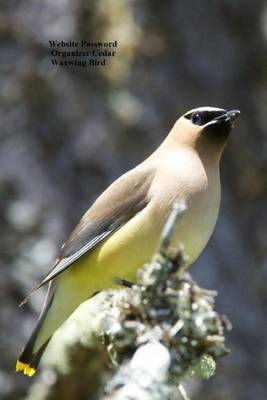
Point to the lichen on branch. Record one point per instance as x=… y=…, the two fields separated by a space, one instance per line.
x=166 y=308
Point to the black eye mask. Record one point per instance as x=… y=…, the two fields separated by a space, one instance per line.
x=203 y=117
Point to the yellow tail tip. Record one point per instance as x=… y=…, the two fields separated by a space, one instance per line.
x=25 y=368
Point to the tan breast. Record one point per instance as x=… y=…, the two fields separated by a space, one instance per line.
x=197 y=182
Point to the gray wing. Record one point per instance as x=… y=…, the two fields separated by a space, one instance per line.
x=116 y=206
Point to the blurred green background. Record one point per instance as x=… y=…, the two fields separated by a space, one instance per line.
x=66 y=133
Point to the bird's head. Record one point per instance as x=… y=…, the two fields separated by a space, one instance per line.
x=204 y=128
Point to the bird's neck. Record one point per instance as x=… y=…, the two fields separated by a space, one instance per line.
x=208 y=153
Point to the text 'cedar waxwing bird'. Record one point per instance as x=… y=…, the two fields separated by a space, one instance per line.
x=121 y=230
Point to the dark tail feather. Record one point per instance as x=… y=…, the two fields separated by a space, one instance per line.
x=28 y=359
x=28 y=365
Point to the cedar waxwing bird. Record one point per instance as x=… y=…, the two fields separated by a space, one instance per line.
x=121 y=230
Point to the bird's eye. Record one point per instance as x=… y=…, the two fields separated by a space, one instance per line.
x=196 y=118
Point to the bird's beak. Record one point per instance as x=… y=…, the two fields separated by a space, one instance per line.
x=232 y=115
x=227 y=118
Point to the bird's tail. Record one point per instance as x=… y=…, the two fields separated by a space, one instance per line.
x=30 y=356
x=28 y=361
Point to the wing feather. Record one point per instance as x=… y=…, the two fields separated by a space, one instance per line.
x=115 y=207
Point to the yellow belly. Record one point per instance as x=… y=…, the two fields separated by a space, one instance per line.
x=120 y=256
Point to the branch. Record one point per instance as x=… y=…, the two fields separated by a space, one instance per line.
x=169 y=314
